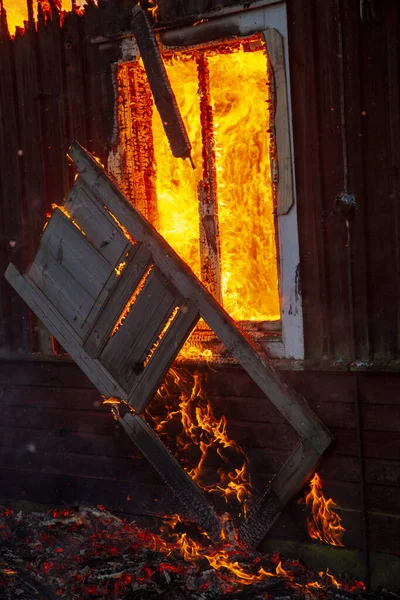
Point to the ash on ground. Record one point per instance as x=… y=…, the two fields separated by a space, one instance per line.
x=91 y=554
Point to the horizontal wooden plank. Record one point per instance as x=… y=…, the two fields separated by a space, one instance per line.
x=71 y=491
x=108 y=444
x=39 y=373
x=384 y=528
x=334 y=414
x=134 y=469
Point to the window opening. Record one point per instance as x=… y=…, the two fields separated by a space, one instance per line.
x=220 y=217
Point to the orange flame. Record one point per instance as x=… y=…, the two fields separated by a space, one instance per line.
x=161 y=335
x=332 y=580
x=122 y=227
x=324 y=524
x=228 y=122
x=131 y=301
x=66 y=213
x=17 y=11
x=119 y=268
x=201 y=429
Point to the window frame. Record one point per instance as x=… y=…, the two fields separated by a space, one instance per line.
x=287 y=340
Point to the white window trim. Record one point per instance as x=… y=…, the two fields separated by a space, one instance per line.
x=247 y=22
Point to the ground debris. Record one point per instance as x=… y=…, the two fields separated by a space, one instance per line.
x=91 y=554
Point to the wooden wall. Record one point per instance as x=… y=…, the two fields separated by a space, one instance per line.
x=57 y=443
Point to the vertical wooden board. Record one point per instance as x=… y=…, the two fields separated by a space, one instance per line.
x=51 y=94
x=14 y=319
x=303 y=65
x=381 y=235
x=354 y=125
x=76 y=97
x=329 y=89
x=392 y=19
x=126 y=350
x=100 y=228
x=30 y=114
x=98 y=59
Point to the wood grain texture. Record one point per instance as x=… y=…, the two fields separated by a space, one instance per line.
x=149 y=381
x=61 y=330
x=275 y=52
x=138 y=261
x=292 y=406
x=125 y=351
x=172 y=473
x=100 y=229
x=69 y=272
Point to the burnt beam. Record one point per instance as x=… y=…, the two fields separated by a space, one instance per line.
x=164 y=97
x=184 y=488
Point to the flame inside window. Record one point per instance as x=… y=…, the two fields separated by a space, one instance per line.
x=220 y=216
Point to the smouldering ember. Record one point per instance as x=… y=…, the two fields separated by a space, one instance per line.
x=91 y=554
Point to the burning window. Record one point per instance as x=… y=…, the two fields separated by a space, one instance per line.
x=220 y=216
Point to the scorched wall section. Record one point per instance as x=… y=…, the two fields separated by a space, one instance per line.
x=57 y=443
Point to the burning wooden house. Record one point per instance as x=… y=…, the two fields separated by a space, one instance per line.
x=224 y=262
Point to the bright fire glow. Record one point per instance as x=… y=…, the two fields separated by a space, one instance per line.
x=234 y=122
x=17 y=11
x=176 y=180
x=324 y=524
x=239 y=94
x=202 y=430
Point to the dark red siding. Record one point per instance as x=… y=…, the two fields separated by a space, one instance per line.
x=57 y=443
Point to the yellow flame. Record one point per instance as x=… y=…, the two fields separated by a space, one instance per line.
x=202 y=429
x=239 y=95
x=122 y=227
x=119 y=268
x=131 y=301
x=236 y=124
x=161 y=335
x=17 y=11
x=324 y=524
x=176 y=180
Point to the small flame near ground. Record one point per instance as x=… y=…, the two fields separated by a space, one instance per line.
x=324 y=524
x=105 y=557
